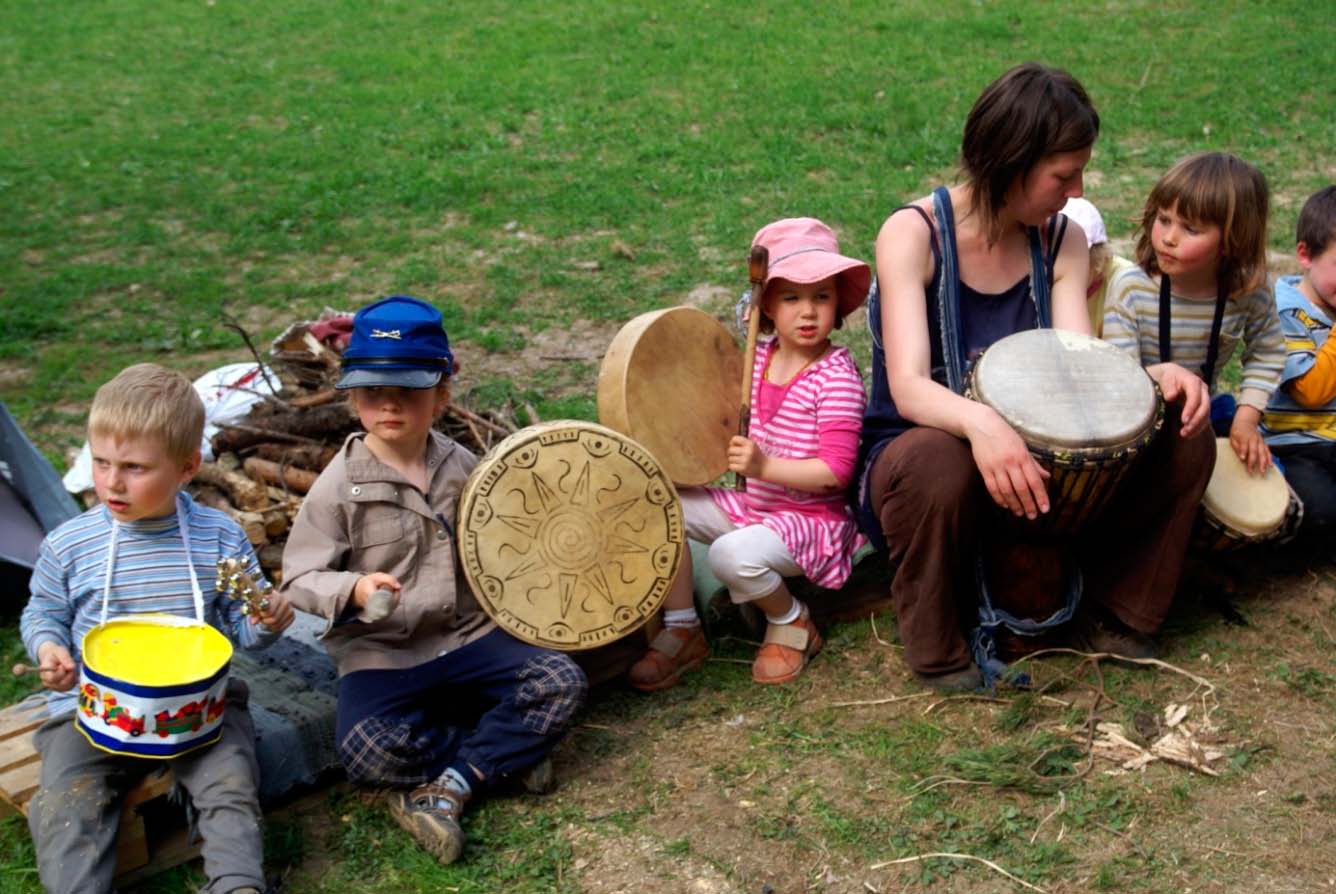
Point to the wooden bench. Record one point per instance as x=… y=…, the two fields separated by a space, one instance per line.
x=153 y=834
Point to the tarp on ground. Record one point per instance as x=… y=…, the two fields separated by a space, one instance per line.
x=32 y=499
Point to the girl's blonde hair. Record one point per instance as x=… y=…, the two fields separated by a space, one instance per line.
x=1220 y=189
x=150 y=401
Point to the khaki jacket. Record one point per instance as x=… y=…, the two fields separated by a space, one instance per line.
x=363 y=516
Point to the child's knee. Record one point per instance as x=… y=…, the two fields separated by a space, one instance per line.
x=552 y=688
x=735 y=564
x=378 y=751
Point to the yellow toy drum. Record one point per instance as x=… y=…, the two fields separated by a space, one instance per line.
x=152 y=685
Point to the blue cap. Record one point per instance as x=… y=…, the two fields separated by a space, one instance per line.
x=399 y=342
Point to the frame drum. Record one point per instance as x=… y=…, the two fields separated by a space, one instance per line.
x=672 y=380
x=1240 y=509
x=570 y=535
x=1084 y=408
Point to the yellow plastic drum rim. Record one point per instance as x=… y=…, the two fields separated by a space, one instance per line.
x=133 y=650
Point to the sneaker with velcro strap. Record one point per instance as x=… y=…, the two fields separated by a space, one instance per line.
x=430 y=814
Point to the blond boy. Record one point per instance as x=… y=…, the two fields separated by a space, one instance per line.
x=144 y=429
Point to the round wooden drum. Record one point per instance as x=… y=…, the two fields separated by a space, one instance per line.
x=570 y=534
x=152 y=685
x=672 y=380
x=1084 y=408
x=1240 y=509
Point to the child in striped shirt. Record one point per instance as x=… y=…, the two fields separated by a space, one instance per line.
x=1200 y=288
x=147 y=548
x=1301 y=418
x=799 y=455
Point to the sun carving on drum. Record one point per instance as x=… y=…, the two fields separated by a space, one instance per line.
x=570 y=535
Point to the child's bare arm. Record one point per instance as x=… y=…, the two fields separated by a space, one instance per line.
x=811 y=475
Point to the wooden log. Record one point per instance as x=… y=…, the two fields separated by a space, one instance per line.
x=208 y=495
x=305 y=456
x=253 y=524
x=318 y=425
x=242 y=492
x=276 y=523
x=269 y=472
x=317 y=399
x=271 y=558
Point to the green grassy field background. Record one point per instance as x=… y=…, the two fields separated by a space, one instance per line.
x=536 y=167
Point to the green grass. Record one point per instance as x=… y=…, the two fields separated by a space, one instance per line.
x=526 y=167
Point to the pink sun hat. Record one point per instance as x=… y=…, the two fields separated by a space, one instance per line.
x=804 y=250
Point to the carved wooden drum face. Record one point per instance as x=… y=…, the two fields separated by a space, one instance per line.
x=570 y=535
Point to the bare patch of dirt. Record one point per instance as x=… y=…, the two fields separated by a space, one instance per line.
x=544 y=353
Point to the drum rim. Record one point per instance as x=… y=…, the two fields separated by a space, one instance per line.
x=1076 y=454
x=160 y=620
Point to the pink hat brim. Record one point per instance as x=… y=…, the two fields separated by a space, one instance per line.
x=853 y=277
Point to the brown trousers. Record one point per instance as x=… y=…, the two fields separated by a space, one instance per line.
x=932 y=503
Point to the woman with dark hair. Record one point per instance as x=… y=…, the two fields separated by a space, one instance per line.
x=932 y=459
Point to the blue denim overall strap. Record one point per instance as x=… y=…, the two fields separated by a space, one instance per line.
x=983 y=639
x=948 y=288
x=949 y=329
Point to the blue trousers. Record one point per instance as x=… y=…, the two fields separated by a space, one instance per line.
x=496 y=705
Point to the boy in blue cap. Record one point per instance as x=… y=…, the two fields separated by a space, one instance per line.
x=373 y=551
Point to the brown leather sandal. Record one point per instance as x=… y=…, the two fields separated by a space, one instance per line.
x=674 y=652
x=786 y=650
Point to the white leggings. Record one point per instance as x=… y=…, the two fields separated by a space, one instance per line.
x=751 y=561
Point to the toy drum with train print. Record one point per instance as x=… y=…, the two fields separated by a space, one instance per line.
x=1241 y=509
x=152 y=685
x=1085 y=410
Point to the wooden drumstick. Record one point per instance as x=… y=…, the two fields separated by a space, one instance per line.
x=757 y=263
x=20 y=669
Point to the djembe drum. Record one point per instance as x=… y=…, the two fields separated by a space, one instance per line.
x=1241 y=509
x=570 y=535
x=672 y=380
x=1086 y=411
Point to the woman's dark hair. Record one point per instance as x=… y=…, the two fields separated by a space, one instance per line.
x=1028 y=113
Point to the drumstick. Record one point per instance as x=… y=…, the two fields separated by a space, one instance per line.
x=757 y=263
x=20 y=669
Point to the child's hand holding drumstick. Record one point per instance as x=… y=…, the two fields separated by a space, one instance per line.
x=55 y=666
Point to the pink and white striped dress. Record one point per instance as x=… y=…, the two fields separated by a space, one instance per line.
x=818 y=529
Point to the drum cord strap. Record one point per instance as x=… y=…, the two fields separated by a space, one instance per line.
x=1166 y=329
x=983 y=640
x=183 y=524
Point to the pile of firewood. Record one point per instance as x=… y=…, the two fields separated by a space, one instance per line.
x=265 y=463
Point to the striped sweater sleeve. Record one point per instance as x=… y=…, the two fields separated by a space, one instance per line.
x=1122 y=327
x=1264 y=350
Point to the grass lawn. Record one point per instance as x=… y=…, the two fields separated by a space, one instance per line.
x=542 y=172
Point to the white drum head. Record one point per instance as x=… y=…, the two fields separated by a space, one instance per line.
x=1063 y=389
x=1249 y=504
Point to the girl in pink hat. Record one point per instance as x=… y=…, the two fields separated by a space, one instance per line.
x=807 y=404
